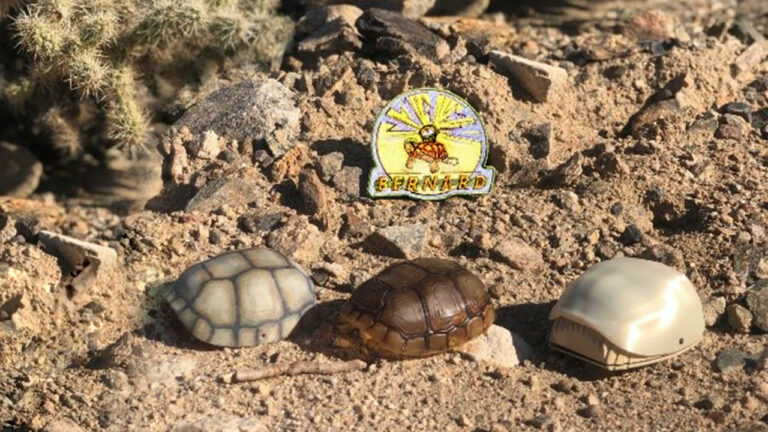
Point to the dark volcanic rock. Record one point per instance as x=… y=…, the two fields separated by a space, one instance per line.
x=540 y=139
x=393 y=33
x=740 y=109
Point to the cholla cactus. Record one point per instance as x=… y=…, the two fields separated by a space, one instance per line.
x=97 y=48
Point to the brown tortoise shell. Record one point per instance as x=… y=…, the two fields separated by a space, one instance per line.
x=419 y=308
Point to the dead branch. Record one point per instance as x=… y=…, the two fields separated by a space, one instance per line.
x=296 y=368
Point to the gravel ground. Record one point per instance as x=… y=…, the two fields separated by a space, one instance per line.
x=655 y=146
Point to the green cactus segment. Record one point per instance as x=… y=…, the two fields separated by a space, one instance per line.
x=127 y=122
x=96 y=46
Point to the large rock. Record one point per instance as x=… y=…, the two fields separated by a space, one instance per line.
x=20 y=170
x=539 y=79
x=395 y=34
x=257 y=109
x=757 y=302
x=497 y=347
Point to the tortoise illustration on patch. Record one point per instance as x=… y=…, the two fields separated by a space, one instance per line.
x=427 y=149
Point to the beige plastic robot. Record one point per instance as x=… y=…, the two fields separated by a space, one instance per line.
x=627 y=312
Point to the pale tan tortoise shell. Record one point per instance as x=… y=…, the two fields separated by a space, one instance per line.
x=242 y=298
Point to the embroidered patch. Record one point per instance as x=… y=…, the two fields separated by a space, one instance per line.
x=429 y=144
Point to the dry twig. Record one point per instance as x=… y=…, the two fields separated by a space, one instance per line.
x=296 y=368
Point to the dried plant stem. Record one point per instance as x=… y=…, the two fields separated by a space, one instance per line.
x=296 y=368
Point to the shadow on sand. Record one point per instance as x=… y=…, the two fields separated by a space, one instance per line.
x=531 y=322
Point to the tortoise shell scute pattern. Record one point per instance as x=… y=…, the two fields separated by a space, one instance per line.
x=419 y=308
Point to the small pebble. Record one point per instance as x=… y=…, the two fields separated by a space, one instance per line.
x=631 y=235
x=739 y=318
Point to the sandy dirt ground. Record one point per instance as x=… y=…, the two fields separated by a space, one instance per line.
x=638 y=155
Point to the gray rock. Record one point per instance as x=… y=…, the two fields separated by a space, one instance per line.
x=20 y=170
x=631 y=235
x=347 y=181
x=498 y=347
x=395 y=34
x=730 y=360
x=540 y=138
x=517 y=254
x=731 y=127
x=713 y=309
x=257 y=109
x=230 y=191
x=539 y=79
x=253 y=223
x=740 y=109
x=739 y=318
x=709 y=402
x=398 y=241
x=757 y=302
x=329 y=164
